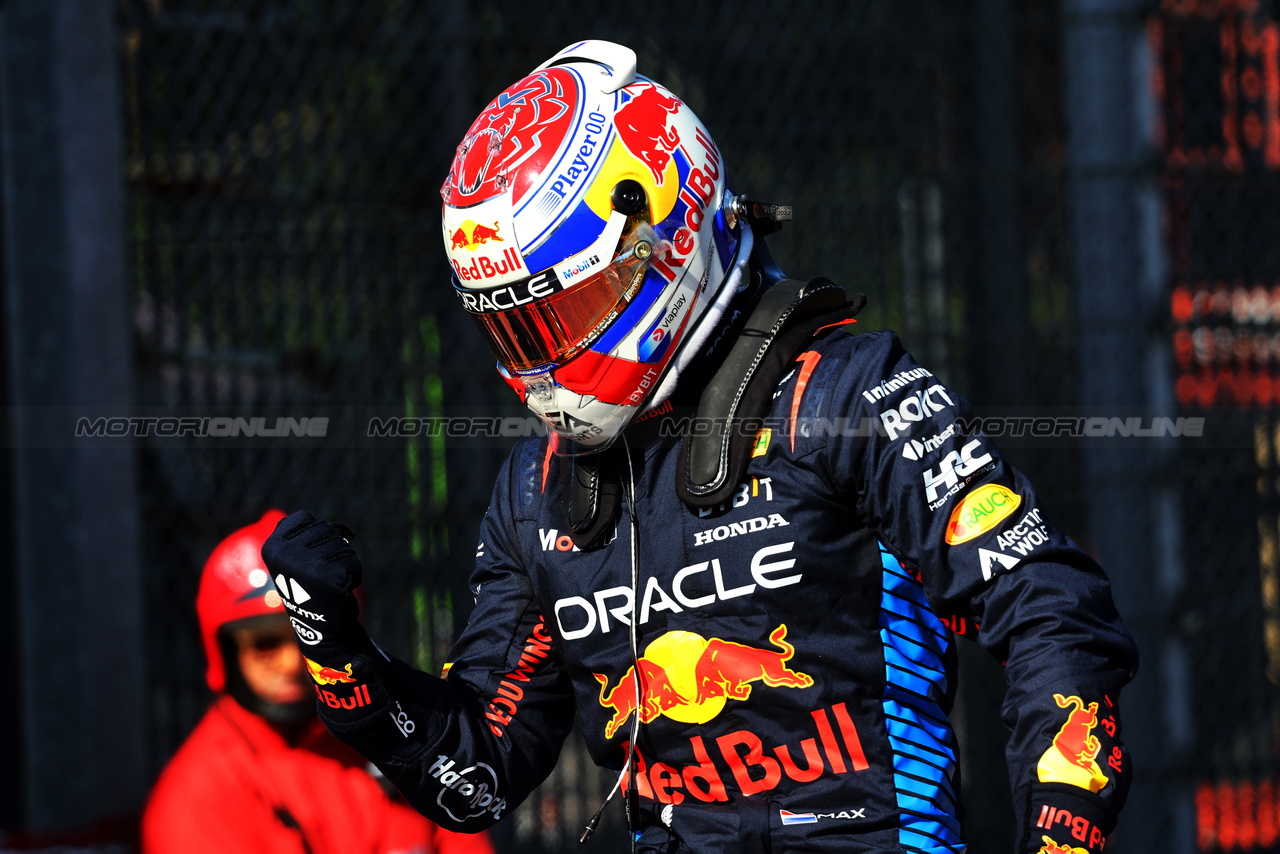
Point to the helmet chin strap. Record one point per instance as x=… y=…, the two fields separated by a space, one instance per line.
x=707 y=323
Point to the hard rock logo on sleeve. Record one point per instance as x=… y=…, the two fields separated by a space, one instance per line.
x=1071 y=757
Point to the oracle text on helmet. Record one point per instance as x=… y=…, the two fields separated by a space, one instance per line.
x=544 y=284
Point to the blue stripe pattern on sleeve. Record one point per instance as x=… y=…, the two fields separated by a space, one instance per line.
x=914 y=641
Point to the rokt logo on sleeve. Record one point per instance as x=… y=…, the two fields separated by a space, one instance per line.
x=914 y=408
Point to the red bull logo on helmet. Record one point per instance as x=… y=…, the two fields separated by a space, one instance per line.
x=688 y=678
x=472 y=235
x=483 y=249
x=643 y=125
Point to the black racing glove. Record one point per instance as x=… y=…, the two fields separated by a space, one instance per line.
x=315 y=570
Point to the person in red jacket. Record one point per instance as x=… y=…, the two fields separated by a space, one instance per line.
x=259 y=773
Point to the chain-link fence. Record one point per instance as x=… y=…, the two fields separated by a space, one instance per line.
x=283 y=163
x=1217 y=88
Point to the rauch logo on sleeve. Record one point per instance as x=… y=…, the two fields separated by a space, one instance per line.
x=980 y=511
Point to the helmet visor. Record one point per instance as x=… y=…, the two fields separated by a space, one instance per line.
x=554 y=328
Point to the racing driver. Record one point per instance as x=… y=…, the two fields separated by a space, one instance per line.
x=738 y=551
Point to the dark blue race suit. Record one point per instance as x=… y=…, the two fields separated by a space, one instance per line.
x=796 y=645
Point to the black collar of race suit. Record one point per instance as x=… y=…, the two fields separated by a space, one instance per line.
x=780 y=324
x=591 y=489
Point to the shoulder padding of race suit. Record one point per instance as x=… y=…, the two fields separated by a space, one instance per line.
x=781 y=326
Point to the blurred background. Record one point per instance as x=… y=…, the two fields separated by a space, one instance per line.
x=230 y=208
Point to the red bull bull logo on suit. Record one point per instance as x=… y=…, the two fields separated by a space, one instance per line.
x=1071 y=757
x=688 y=678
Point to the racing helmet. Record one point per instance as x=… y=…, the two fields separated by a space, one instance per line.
x=235 y=585
x=587 y=221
